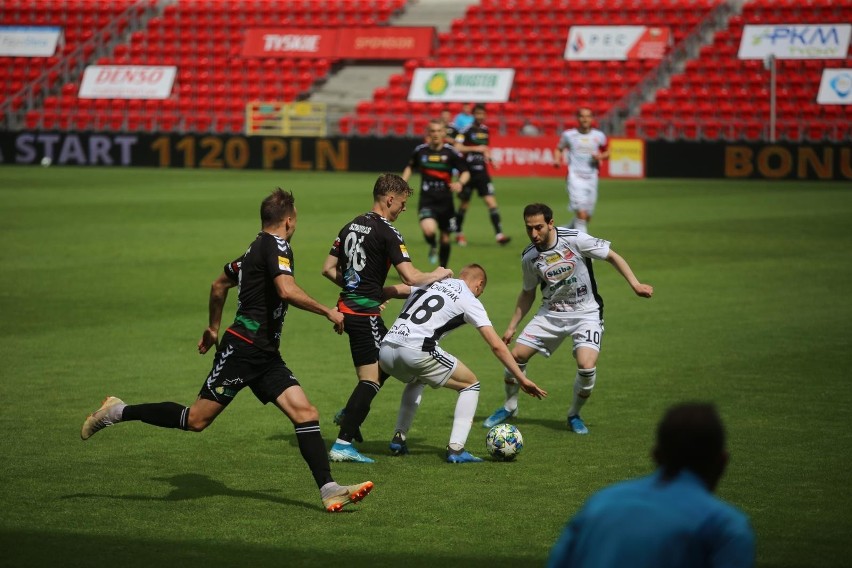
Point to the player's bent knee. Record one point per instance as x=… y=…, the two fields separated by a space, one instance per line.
x=305 y=414
x=197 y=424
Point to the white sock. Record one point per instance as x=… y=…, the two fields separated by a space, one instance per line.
x=342 y=442
x=584 y=382
x=512 y=389
x=463 y=419
x=411 y=397
x=581 y=225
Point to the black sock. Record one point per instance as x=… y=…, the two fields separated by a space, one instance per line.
x=495 y=220
x=460 y=219
x=313 y=451
x=444 y=254
x=431 y=240
x=357 y=409
x=162 y=414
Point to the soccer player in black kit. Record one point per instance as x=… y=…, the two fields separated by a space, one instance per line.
x=473 y=143
x=358 y=262
x=436 y=161
x=248 y=353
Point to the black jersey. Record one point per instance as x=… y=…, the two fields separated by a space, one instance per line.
x=451 y=133
x=474 y=135
x=436 y=170
x=365 y=249
x=260 y=310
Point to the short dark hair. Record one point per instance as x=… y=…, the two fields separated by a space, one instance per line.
x=478 y=106
x=474 y=267
x=276 y=207
x=391 y=183
x=690 y=436
x=534 y=209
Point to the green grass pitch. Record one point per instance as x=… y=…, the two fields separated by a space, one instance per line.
x=106 y=274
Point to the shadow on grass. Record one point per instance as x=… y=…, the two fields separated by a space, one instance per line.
x=62 y=549
x=553 y=424
x=188 y=486
x=376 y=447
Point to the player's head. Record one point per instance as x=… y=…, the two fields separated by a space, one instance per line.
x=479 y=112
x=436 y=130
x=446 y=116
x=538 y=219
x=691 y=436
x=475 y=278
x=279 y=208
x=390 y=194
x=585 y=117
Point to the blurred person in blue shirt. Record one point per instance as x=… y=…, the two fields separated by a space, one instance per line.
x=464 y=118
x=670 y=518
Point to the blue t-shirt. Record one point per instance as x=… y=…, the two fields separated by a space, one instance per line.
x=656 y=523
x=462 y=120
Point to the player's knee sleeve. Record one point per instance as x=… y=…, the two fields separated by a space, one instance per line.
x=585 y=381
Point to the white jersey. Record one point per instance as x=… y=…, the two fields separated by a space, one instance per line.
x=564 y=274
x=581 y=149
x=431 y=313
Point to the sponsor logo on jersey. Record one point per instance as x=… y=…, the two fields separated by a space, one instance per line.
x=552 y=258
x=559 y=271
x=284 y=263
x=403 y=250
x=228 y=393
x=568 y=255
x=400 y=329
x=234 y=267
x=561 y=283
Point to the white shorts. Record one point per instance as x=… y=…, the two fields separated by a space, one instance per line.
x=546 y=333
x=433 y=368
x=582 y=192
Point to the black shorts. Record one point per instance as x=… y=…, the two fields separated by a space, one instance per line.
x=481 y=183
x=444 y=213
x=238 y=364
x=365 y=333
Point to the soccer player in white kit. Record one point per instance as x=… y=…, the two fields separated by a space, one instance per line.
x=410 y=352
x=586 y=147
x=559 y=261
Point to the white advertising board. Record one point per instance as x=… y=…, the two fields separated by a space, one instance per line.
x=127 y=82
x=469 y=84
x=795 y=41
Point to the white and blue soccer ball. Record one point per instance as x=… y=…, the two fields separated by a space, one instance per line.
x=504 y=442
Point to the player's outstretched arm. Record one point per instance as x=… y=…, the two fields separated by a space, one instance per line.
x=330 y=271
x=502 y=353
x=218 y=295
x=406 y=173
x=522 y=306
x=396 y=291
x=413 y=277
x=643 y=290
x=291 y=293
